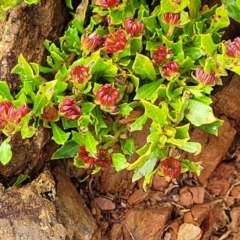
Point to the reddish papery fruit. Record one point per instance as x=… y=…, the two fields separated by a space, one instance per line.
x=171 y=167
x=171 y=69
x=109 y=3
x=172 y=18
x=50 y=113
x=233 y=48
x=104 y=159
x=69 y=109
x=205 y=78
x=79 y=74
x=133 y=26
x=115 y=42
x=92 y=41
x=160 y=54
x=10 y=115
x=85 y=156
x=108 y=95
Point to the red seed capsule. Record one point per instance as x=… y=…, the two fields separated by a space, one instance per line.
x=108 y=95
x=171 y=167
x=205 y=78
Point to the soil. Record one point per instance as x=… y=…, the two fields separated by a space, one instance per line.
x=59 y=201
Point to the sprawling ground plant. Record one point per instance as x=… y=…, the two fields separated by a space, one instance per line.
x=119 y=66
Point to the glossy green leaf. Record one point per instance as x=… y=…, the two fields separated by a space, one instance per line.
x=157 y=114
x=212 y=128
x=68 y=150
x=191 y=147
x=173 y=6
x=138 y=124
x=125 y=109
x=20 y=180
x=147 y=90
x=193 y=52
x=207 y=43
x=59 y=136
x=119 y=161
x=233 y=8
x=199 y=113
x=91 y=143
x=219 y=20
x=194 y=6
x=147 y=168
x=43 y=96
x=128 y=146
x=144 y=67
x=5 y=91
x=87 y=107
x=5 y=152
x=190 y=166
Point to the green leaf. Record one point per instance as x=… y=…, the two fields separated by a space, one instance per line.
x=5 y=91
x=190 y=166
x=144 y=67
x=68 y=3
x=173 y=6
x=199 y=113
x=193 y=52
x=87 y=107
x=212 y=128
x=119 y=161
x=59 y=136
x=147 y=168
x=124 y=109
x=233 y=7
x=138 y=124
x=157 y=114
x=98 y=120
x=23 y=69
x=68 y=150
x=31 y=1
x=147 y=90
x=128 y=146
x=191 y=147
x=194 y=7
x=43 y=96
x=21 y=178
x=91 y=143
x=219 y=20
x=182 y=132
x=207 y=44
x=5 y=152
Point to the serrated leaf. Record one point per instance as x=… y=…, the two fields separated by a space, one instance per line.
x=119 y=161
x=212 y=128
x=191 y=147
x=44 y=95
x=144 y=67
x=199 y=113
x=59 y=136
x=128 y=146
x=5 y=91
x=207 y=43
x=157 y=114
x=91 y=143
x=147 y=90
x=68 y=150
x=138 y=124
x=147 y=168
x=190 y=166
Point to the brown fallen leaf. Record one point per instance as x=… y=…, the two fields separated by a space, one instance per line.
x=133 y=115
